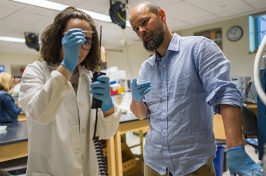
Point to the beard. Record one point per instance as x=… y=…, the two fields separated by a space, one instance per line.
x=157 y=39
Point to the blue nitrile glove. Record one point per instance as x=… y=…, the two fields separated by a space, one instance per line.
x=138 y=90
x=101 y=91
x=71 y=43
x=240 y=163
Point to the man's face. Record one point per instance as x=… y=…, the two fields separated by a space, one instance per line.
x=156 y=37
x=148 y=26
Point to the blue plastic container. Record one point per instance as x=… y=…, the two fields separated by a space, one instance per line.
x=219 y=160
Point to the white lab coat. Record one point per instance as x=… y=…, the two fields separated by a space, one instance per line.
x=61 y=123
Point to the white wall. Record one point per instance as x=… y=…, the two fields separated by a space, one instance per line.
x=9 y=60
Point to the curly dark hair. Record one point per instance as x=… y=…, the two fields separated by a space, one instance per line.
x=52 y=36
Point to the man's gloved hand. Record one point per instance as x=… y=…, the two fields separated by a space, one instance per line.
x=101 y=91
x=240 y=163
x=138 y=90
x=71 y=43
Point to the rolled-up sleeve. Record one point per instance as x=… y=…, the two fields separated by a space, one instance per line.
x=214 y=71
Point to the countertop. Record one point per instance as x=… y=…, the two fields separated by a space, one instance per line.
x=15 y=133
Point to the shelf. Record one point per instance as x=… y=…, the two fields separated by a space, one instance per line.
x=213 y=34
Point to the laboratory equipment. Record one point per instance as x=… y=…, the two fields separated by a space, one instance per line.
x=260 y=85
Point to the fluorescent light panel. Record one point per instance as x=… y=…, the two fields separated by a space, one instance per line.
x=43 y=3
x=12 y=39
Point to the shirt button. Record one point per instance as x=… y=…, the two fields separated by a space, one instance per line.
x=164 y=132
x=164 y=82
x=164 y=147
x=164 y=98
x=80 y=103
x=163 y=65
x=83 y=130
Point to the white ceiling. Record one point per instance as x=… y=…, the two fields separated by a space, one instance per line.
x=17 y=18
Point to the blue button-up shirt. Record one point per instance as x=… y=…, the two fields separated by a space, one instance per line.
x=188 y=84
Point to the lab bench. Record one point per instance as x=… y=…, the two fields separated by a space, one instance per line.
x=14 y=141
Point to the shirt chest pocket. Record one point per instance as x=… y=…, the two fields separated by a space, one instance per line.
x=179 y=87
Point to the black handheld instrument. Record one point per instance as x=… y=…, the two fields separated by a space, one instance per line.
x=96 y=103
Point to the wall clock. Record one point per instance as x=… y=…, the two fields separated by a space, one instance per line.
x=234 y=33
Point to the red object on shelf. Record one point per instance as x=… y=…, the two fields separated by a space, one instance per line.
x=113 y=92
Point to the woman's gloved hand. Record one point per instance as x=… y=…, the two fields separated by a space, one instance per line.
x=240 y=163
x=138 y=90
x=100 y=90
x=71 y=43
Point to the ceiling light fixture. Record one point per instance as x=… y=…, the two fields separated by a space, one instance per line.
x=43 y=3
x=12 y=39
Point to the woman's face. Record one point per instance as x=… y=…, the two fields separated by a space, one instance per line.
x=84 y=26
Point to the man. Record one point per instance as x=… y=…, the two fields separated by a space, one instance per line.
x=179 y=87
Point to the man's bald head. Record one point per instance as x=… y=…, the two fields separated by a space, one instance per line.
x=150 y=6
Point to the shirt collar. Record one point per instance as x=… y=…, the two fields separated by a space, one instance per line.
x=174 y=45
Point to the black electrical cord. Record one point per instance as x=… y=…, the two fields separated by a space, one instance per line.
x=99 y=150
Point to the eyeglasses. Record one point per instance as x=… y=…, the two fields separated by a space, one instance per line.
x=88 y=42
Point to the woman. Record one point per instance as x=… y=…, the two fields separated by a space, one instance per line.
x=55 y=95
x=9 y=111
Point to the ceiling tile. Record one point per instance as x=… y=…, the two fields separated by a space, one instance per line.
x=39 y=11
x=258 y=4
x=11 y=4
x=4 y=12
x=99 y=6
x=73 y=2
x=222 y=8
x=9 y=27
x=39 y=26
x=188 y=12
x=24 y=17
